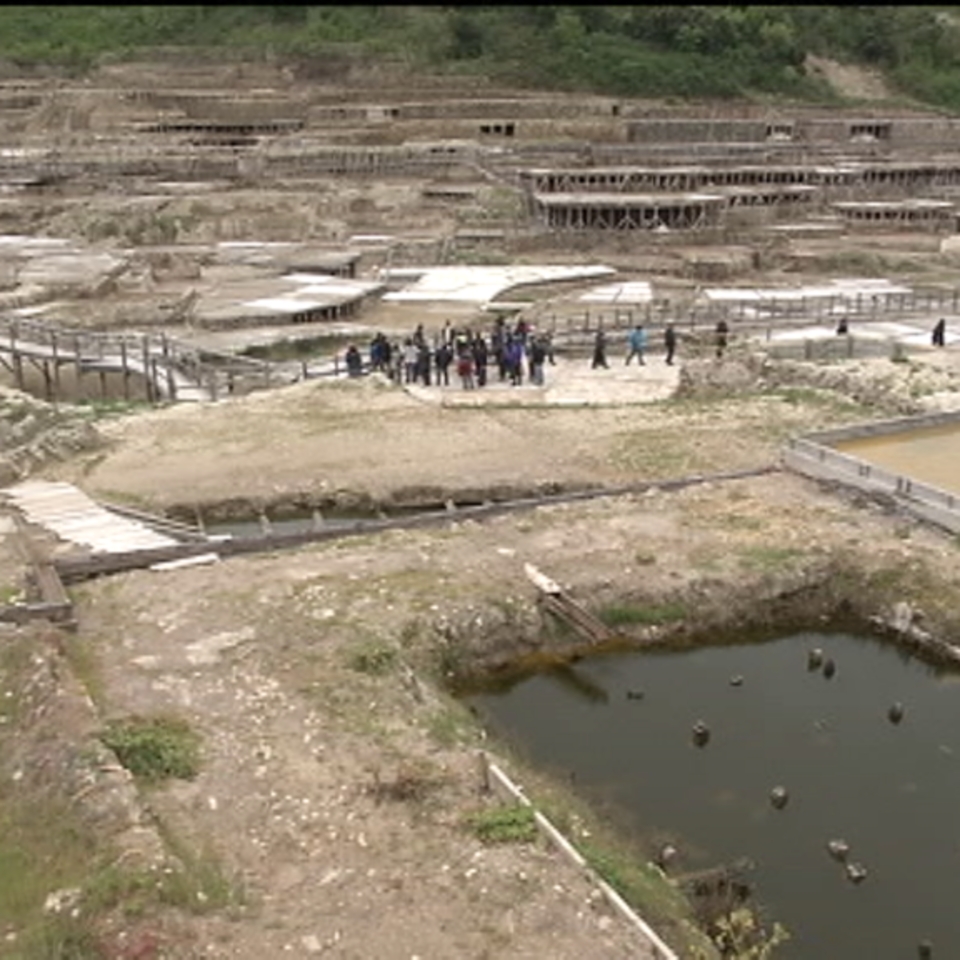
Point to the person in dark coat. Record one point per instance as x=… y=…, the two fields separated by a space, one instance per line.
x=354 y=361
x=442 y=358
x=670 y=342
x=480 y=359
x=722 y=333
x=939 y=332
x=599 y=350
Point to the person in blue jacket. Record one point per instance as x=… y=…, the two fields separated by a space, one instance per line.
x=638 y=344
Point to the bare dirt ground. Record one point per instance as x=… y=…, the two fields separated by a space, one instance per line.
x=306 y=747
x=338 y=774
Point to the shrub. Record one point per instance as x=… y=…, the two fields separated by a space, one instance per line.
x=155 y=749
x=511 y=823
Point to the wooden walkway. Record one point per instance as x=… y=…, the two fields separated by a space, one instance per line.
x=72 y=516
x=170 y=369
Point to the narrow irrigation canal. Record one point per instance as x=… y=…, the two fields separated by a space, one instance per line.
x=868 y=754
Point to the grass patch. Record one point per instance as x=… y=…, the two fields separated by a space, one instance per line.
x=375 y=659
x=85 y=666
x=155 y=749
x=101 y=409
x=768 y=558
x=637 y=881
x=450 y=726
x=10 y=595
x=507 y=823
x=739 y=521
x=630 y=615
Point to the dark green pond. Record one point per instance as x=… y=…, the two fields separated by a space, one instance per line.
x=891 y=791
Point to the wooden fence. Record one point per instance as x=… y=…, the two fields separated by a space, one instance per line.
x=162 y=367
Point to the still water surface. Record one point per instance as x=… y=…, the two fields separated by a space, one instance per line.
x=891 y=791
x=931 y=454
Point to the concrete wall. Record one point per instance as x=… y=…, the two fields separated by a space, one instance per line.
x=701 y=130
x=813 y=457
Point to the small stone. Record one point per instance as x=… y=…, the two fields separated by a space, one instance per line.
x=311 y=943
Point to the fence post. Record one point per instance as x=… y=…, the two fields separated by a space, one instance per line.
x=126 y=368
x=56 y=365
x=171 y=384
x=145 y=346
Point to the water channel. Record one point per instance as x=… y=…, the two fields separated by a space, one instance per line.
x=620 y=725
x=928 y=454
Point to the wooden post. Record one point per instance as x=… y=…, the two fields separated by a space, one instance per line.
x=155 y=380
x=145 y=347
x=171 y=384
x=78 y=365
x=126 y=368
x=56 y=365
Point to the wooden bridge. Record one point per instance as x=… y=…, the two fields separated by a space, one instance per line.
x=163 y=368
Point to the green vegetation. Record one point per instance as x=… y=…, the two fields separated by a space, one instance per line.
x=507 y=823
x=660 y=51
x=622 y=615
x=374 y=658
x=451 y=726
x=44 y=848
x=155 y=749
x=741 y=936
x=113 y=408
x=769 y=558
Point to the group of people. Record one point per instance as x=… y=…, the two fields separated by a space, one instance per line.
x=516 y=353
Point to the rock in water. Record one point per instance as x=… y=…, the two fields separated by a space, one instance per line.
x=838 y=849
x=856 y=872
x=701 y=733
x=779 y=797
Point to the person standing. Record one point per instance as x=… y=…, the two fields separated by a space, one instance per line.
x=939 y=332
x=722 y=332
x=480 y=359
x=442 y=358
x=538 y=356
x=599 y=350
x=638 y=344
x=670 y=342
x=354 y=361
